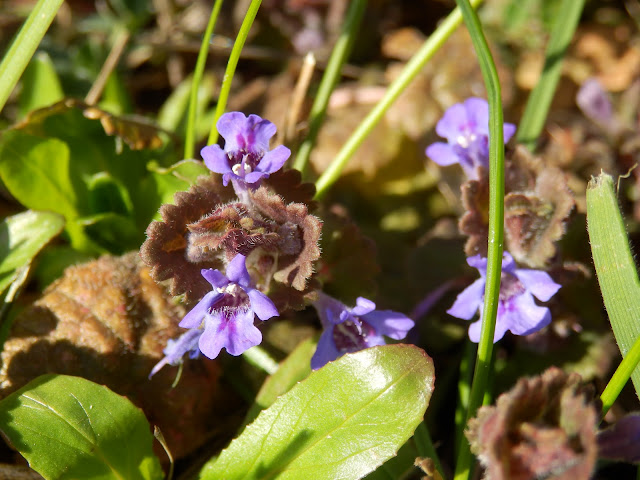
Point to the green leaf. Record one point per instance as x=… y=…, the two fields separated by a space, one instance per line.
x=22 y=236
x=40 y=84
x=71 y=428
x=295 y=368
x=113 y=232
x=36 y=171
x=106 y=194
x=614 y=264
x=343 y=421
x=178 y=177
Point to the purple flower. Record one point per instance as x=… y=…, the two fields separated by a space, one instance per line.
x=246 y=157
x=176 y=349
x=595 y=103
x=227 y=312
x=466 y=128
x=517 y=310
x=353 y=329
x=223 y=318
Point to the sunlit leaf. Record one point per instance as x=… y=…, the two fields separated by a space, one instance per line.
x=71 y=428
x=614 y=264
x=22 y=236
x=341 y=422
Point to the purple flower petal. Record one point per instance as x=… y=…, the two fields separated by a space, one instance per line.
x=326 y=350
x=237 y=271
x=363 y=306
x=475 y=329
x=478 y=262
x=539 y=283
x=214 y=336
x=594 y=101
x=231 y=127
x=468 y=301
x=176 y=349
x=452 y=122
x=255 y=177
x=262 y=305
x=215 y=159
x=329 y=309
x=242 y=333
x=194 y=318
x=235 y=334
x=214 y=277
x=390 y=324
x=507 y=131
x=508 y=263
x=522 y=316
x=273 y=160
x=477 y=110
x=442 y=153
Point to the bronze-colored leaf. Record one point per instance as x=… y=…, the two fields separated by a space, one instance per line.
x=538 y=203
x=299 y=235
x=165 y=250
x=535 y=218
x=475 y=220
x=136 y=133
x=545 y=427
x=108 y=321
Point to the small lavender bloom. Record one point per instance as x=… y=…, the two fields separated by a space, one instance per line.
x=466 y=128
x=246 y=158
x=517 y=310
x=176 y=349
x=595 y=103
x=227 y=312
x=353 y=329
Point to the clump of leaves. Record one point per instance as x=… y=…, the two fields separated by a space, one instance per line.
x=545 y=427
x=206 y=228
x=537 y=201
x=104 y=318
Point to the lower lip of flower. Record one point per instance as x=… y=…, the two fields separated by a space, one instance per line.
x=351 y=335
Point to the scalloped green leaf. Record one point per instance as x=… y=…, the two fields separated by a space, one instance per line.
x=342 y=421
x=71 y=428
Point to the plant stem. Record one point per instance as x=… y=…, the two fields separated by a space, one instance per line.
x=484 y=364
x=339 y=55
x=258 y=357
x=413 y=67
x=190 y=134
x=535 y=113
x=620 y=377
x=231 y=67
x=24 y=46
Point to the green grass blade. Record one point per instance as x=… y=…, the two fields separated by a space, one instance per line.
x=252 y=11
x=339 y=55
x=190 y=134
x=24 y=46
x=615 y=267
x=415 y=65
x=539 y=101
x=484 y=364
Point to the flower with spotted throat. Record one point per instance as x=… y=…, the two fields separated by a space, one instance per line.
x=517 y=310
x=223 y=318
x=246 y=158
x=349 y=330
